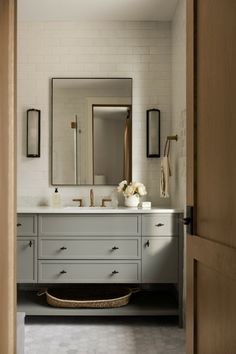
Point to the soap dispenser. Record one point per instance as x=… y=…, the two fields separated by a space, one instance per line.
x=56 y=199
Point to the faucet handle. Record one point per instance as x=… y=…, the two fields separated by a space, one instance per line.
x=104 y=200
x=80 y=200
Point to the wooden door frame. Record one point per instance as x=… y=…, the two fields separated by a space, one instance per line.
x=190 y=145
x=8 y=176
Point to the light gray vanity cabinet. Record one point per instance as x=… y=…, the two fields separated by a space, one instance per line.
x=26 y=260
x=160 y=248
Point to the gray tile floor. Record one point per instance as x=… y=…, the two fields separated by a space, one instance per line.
x=92 y=335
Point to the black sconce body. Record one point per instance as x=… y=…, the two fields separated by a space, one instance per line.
x=153 y=133
x=33 y=133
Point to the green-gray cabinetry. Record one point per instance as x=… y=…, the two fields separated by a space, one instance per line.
x=26 y=271
x=146 y=246
x=140 y=248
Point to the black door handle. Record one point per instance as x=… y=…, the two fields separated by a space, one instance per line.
x=187 y=221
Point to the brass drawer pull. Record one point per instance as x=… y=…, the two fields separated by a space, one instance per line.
x=63 y=272
x=115 y=248
x=63 y=248
x=18 y=224
x=114 y=272
x=159 y=224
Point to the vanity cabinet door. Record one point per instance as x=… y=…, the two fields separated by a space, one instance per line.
x=26 y=260
x=160 y=260
x=27 y=225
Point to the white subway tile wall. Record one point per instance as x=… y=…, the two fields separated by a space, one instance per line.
x=178 y=150
x=140 y=50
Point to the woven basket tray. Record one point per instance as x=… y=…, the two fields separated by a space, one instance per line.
x=88 y=296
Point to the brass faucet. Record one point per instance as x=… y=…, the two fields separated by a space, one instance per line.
x=104 y=200
x=91 y=198
x=80 y=200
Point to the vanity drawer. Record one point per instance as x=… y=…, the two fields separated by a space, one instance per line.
x=89 y=272
x=89 y=225
x=160 y=225
x=27 y=225
x=89 y=248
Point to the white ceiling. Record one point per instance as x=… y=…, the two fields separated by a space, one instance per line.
x=98 y=10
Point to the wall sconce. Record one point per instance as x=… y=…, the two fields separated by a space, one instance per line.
x=33 y=133
x=153 y=133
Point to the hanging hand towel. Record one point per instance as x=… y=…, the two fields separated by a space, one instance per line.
x=165 y=172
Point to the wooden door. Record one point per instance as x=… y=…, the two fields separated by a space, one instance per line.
x=211 y=187
x=7 y=177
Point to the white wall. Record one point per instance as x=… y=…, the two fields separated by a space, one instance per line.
x=178 y=155
x=178 y=149
x=141 y=50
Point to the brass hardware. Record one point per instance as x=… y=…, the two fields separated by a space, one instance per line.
x=63 y=248
x=80 y=200
x=91 y=198
x=19 y=224
x=114 y=272
x=63 y=272
x=104 y=200
x=30 y=243
x=160 y=224
x=172 y=137
x=115 y=248
x=147 y=244
x=73 y=125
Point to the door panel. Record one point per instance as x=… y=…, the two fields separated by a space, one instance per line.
x=211 y=176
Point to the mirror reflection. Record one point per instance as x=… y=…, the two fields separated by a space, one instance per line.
x=91 y=131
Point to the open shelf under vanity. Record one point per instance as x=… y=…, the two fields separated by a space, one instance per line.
x=160 y=302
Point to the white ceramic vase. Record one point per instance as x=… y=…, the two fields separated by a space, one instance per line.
x=132 y=201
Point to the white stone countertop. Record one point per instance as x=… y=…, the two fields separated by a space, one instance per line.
x=94 y=210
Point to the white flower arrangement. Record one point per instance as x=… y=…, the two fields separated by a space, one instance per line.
x=133 y=188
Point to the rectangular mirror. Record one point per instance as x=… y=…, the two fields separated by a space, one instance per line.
x=91 y=131
x=153 y=133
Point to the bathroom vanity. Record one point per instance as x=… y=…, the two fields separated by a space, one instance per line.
x=101 y=245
